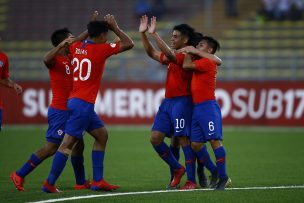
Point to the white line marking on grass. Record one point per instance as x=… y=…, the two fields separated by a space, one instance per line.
x=163 y=191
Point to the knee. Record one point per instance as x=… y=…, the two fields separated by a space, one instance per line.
x=67 y=147
x=174 y=141
x=215 y=144
x=184 y=141
x=104 y=137
x=196 y=146
x=101 y=135
x=78 y=149
x=48 y=150
x=52 y=150
x=156 y=138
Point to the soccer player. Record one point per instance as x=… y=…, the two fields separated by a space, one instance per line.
x=61 y=76
x=88 y=60
x=174 y=115
x=5 y=80
x=206 y=123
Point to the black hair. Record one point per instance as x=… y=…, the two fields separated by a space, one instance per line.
x=212 y=43
x=59 y=35
x=186 y=30
x=195 y=39
x=95 y=28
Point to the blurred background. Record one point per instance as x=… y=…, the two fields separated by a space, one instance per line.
x=262 y=48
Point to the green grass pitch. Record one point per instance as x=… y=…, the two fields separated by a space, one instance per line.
x=255 y=157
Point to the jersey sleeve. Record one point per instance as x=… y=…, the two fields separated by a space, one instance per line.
x=111 y=49
x=204 y=65
x=162 y=59
x=5 y=72
x=179 y=59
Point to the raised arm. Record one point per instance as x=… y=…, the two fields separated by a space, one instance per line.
x=195 y=51
x=150 y=50
x=169 y=53
x=85 y=34
x=49 y=57
x=11 y=84
x=188 y=64
x=126 y=42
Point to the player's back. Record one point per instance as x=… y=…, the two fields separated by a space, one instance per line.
x=88 y=60
x=203 y=81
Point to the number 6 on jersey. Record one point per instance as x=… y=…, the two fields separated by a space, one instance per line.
x=211 y=126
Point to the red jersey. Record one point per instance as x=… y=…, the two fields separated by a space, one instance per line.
x=203 y=80
x=61 y=77
x=178 y=80
x=4 y=71
x=88 y=60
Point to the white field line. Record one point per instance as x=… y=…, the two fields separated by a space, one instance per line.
x=163 y=191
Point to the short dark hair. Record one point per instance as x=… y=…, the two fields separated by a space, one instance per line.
x=95 y=28
x=212 y=43
x=186 y=30
x=196 y=38
x=59 y=35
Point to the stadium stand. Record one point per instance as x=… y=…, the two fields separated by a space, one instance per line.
x=26 y=41
x=273 y=51
x=250 y=50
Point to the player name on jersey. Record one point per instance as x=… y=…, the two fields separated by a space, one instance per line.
x=81 y=51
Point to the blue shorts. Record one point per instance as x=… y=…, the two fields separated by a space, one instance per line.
x=206 y=122
x=0 y=119
x=56 y=120
x=174 y=116
x=82 y=118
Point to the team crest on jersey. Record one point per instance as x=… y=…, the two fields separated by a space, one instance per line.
x=113 y=45
x=1 y=64
x=60 y=132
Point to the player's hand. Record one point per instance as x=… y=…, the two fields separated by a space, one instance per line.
x=152 y=26
x=17 y=88
x=110 y=19
x=67 y=42
x=143 y=26
x=94 y=16
x=188 y=50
